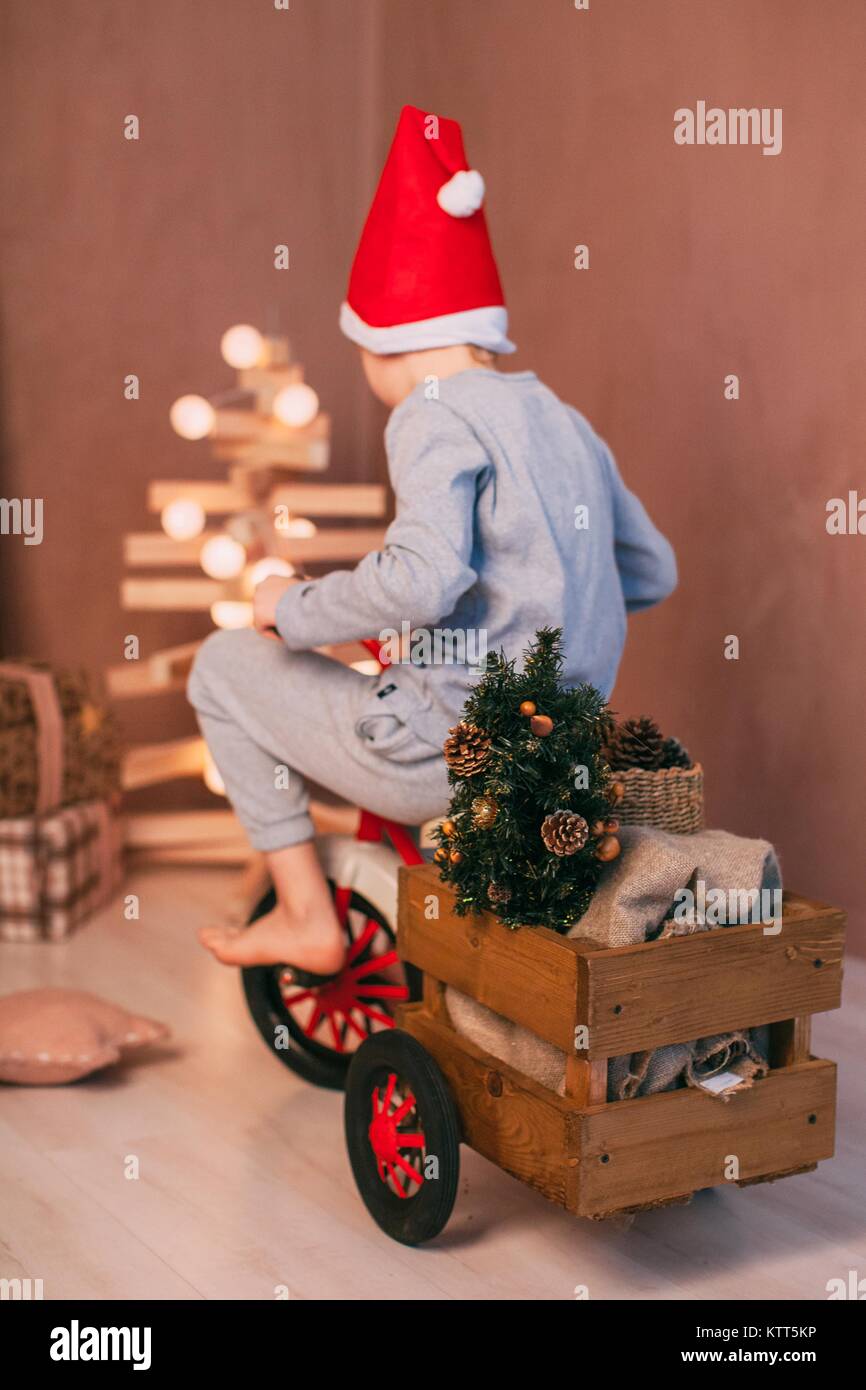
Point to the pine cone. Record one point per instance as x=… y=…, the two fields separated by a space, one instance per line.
x=674 y=755
x=564 y=832
x=498 y=894
x=466 y=749
x=637 y=743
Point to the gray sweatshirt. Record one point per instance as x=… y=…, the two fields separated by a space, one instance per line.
x=511 y=515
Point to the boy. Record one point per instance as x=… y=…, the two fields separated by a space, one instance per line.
x=510 y=516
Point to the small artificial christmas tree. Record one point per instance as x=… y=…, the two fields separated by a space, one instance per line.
x=529 y=824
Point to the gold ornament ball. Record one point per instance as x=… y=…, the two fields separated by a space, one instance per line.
x=597 y=829
x=527 y=708
x=484 y=812
x=615 y=792
x=449 y=828
x=608 y=849
x=441 y=855
x=541 y=725
x=612 y=825
x=455 y=856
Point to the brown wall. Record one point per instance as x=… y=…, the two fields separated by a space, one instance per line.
x=261 y=127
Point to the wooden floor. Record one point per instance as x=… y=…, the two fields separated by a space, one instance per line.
x=245 y=1186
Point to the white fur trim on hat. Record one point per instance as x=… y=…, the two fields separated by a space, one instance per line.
x=463 y=194
x=484 y=328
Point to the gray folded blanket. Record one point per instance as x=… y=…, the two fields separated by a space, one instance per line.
x=634 y=902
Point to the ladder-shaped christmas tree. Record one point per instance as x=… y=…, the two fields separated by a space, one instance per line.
x=260 y=520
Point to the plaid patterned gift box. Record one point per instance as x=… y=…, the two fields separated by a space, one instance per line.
x=56 y=870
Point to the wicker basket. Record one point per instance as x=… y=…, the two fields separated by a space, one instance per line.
x=671 y=799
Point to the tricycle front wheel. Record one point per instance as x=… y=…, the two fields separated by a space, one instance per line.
x=403 y=1138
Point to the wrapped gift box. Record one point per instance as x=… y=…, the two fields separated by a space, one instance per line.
x=58 y=745
x=55 y=870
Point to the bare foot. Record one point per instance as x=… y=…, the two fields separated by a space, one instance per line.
x=310 y=943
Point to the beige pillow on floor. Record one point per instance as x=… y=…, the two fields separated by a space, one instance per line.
x=50 y=1036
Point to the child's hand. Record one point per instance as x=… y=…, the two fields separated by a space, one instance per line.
x=266 y=596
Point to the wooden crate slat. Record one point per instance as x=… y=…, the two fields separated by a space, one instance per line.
x=336 y=543
x=217 y=498
x=639 y=997
x=530 y=975
x=510 y=1119
x=657 y=1147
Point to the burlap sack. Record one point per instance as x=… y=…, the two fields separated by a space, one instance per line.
x=632 y=903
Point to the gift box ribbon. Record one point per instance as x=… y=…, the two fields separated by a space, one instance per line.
x=49 y=731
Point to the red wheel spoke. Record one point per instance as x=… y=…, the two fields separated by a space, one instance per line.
x=392 y=1174
x=389 y=1092
x=335 y=1033
x=404 y=1109
x=363 y=941
x=298 y=998
x=375 y=1014
x=372 y=967
x=317 y=1015
x=410 y=1141
x=382 y=992
x=353 y=1025
x=406 y=1167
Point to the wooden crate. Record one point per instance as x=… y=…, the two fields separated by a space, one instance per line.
x=595 y=1157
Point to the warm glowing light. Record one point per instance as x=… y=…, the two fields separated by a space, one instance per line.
x=192 y=417
x=296 y=405
x=211 y=774
x=367 y=667
x=271 y=564
x=182 y=519
x=242 y=346
x=230 y=613
x=222 y=558
x=298 y=528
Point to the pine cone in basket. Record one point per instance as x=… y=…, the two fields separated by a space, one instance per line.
x=466 y=749
x=637 y=743
x=564 y=832
x=674 y=755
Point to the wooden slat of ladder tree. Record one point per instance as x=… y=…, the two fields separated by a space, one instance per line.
x=163 y=670
x=152 y=763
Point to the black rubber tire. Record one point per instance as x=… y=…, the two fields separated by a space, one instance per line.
x=420 y=1217
x=322 y=1066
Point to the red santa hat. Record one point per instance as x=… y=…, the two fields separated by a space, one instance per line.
x=424 y=275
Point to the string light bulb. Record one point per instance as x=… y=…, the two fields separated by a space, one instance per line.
x=182 y=519
x=296 y=405
x=192 y=417
x=211 y=775
x=231 y=613
x=222 y=557
x=268 y=565
x=242 y=346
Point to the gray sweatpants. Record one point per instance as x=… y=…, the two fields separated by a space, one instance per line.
x=272 y=718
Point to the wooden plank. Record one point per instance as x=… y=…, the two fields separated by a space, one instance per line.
x=336 y=543
x=585 y=1082
x=637 y=997
x=152 y=763
x=173 y=595
x=331 y=499
x=519 y=1125
x=790 y=1041
x=231 y=853
x=529 y=975
x=248 y=458
x=662 y=1146
x=171 y=829
x=217 y=498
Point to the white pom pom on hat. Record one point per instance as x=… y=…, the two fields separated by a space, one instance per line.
x=463 y=194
